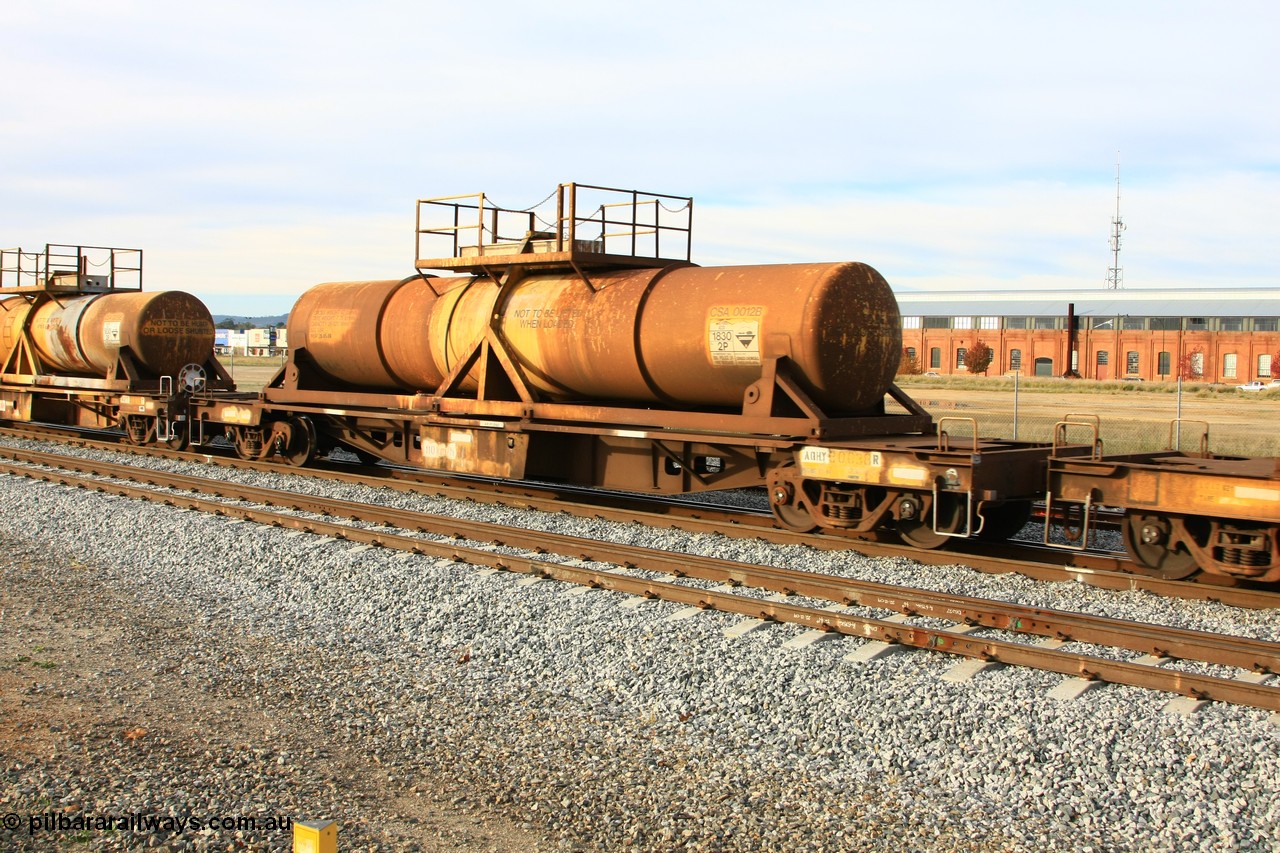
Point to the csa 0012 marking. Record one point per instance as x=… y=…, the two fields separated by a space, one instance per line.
x=733 y=335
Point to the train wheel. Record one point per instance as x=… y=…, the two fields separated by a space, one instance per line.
x=1004 y=520
x=915 y=524
x=1148 y=539
x=302 y=445
x=790 y=508
x=794 y=517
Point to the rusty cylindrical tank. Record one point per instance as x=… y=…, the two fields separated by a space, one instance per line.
x=679 y=336
x=83 y=335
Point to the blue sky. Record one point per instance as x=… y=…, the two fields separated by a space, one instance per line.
x=254 y=149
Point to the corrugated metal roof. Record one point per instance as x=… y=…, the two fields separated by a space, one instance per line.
x=1247 y=302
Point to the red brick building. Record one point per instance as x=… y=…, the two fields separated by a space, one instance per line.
x=1227 y=336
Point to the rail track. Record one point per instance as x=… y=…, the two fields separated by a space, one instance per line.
x=741 y=587
x=1094 y=568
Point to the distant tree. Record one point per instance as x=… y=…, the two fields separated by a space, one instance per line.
x=909 y=363
x=1191 y=365
x=978 y=358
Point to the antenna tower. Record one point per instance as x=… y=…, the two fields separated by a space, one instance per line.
x=1115 y=274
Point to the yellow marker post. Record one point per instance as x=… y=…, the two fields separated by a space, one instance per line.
x=315 y=836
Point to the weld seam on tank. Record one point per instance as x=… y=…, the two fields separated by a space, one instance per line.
x=447 y=367
x=810 y=344
x=48 y=346
x=638 y=345
x=65 y=351
x=84 y=308
x=377 y=332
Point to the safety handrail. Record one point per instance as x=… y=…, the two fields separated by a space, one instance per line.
x=68 y=267
x=944 y=438
x=1060 y=435
x=586 y=220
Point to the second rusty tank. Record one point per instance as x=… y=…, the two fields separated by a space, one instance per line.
x=84 y=335
x=680 y=336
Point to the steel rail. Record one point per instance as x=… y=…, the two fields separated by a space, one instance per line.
x=1157 y=640
x=1094 y=569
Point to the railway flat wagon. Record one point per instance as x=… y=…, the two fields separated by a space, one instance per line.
x=582 y=345
x=82 y=345
x=1184 y=512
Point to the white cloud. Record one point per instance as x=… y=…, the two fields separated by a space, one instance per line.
x=252 y=148
x=1022 y=235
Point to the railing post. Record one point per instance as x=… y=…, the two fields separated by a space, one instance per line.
x=560 y=218
x=573 y=215
x=635 y=211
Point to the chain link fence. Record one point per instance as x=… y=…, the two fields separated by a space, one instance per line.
x=1153 y=418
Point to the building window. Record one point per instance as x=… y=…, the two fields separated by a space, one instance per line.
x=988 y=322
x=1231 y=324
x=1166 y=324
x=1075 y=360
x=910 y=322
x=1102 y=357
x=935 y=358
x=1015 y=322
x=1046 y=322
x=1264 y=324
x=1197 y=324
x=1264 y=366
x=1102 y=322
x=1229 y=366
x=937 y=322
x=1135 y=323
x=1163 y=362
x=962 y=323
x=1197 y=364
x=1131 y=363
x=960 y=351
x=1044 y=367
x=1015 y=359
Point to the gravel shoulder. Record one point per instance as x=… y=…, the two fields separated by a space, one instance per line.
x=116 y=704
x=424 y=704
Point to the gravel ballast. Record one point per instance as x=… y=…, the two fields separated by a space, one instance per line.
x=421 y=702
